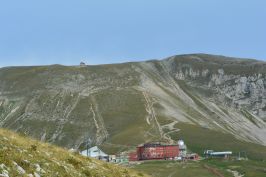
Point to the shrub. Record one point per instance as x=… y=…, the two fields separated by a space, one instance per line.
x=33 y=148
x=75 y=162
x=140 y=174
x=87 y=173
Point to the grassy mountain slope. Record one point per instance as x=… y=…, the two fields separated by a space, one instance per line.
x=204 y=168
x=21 y=156
x=122 y=105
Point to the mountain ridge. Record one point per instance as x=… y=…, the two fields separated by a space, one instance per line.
x=148 y=60
x=120 y=105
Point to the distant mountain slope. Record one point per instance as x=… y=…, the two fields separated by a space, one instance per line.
x=20 y=156
x=121 y=105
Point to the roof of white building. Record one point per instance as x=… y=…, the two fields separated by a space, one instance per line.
x=93 y=152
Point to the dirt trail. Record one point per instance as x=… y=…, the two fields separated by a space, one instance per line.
x=101 y=132
x=152 y=116
x=213 y=171
x=235 y=173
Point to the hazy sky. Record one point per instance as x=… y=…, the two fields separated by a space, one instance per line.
x=107 y=31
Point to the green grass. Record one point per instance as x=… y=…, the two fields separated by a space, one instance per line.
x=163 y=168
x=173 y=169
x=199 y=139
x=124 y=116
x=248 y=168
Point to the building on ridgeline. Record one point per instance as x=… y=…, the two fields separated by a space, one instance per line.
x=82 y=64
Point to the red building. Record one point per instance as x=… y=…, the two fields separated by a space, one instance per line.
x=157 y=151
x=133 y=156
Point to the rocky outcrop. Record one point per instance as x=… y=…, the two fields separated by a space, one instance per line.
x=244 y=91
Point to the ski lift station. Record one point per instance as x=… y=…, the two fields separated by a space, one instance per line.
x=224 y=154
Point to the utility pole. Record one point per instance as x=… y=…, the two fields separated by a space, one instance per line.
x=87 y=143
x=87 y=146
x=245 y=155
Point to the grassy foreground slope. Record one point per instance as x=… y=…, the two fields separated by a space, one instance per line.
x=21 y=156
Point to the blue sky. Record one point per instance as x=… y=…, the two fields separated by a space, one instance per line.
x=110 y=31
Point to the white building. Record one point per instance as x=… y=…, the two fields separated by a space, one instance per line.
x=94 y=152
x=182 y=148
x=224 y=154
